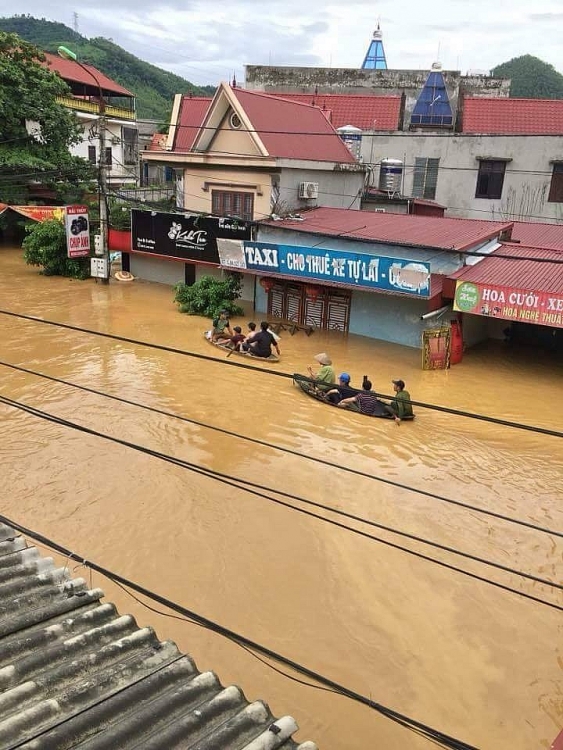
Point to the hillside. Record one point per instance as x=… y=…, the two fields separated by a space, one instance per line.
x=153 y=87
x=531 y=78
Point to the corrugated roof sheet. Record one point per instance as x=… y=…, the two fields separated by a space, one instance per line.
x=190 y=118
x=365 y=112
x=526 y=274
x=395 y=229
x=72 y=71
x=76 y=674
x=292 y=130
x=538 y=234
x=503 y=116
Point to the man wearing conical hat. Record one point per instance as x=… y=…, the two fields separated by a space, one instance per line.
x=326 y=372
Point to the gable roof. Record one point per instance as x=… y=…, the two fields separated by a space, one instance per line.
x=190 y=119
x=502 y=116
x=70 y=70
x=395 y=229
x=75 y=673
x=279 y=128
x=364 y=112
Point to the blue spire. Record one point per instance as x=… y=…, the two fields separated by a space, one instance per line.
x=375 y=56
x=433 y=105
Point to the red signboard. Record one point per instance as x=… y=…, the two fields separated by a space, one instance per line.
x=40 y=213
x=524 y=306
x=77 y=231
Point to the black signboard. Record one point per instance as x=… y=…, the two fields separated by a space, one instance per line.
x=187 y=237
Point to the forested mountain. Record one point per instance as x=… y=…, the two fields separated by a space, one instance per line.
x=531 y=78
x=153 y=87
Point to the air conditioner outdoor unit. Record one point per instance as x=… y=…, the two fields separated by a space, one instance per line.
x=115 y=140
x=308 y=190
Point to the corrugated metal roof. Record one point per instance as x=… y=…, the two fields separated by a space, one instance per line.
x=365 y=112
x=538 y=234
x=76 y=674
x=503 y=116
x=190 y=118
x=526 y=274
x=72 y=71
x=395 y=229
x=292 y=130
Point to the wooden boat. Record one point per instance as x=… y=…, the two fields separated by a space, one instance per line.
x=225 y=345
x=308 y=386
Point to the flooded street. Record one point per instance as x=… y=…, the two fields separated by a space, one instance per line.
x=477 y=662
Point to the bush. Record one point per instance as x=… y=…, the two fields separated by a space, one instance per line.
x=209 y=296
x=120 y=217
x=45 y=245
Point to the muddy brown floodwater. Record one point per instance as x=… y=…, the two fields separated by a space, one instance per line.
x=472 y=660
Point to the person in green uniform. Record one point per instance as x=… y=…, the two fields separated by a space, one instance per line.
x=325 y=375
x=400 y=407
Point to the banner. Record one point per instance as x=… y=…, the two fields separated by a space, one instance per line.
x=524 y=306
x=192 y=238
x=361 y=270
x=41 y=213
x=77 y=231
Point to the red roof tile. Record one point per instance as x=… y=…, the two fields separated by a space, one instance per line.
x=395 y=229
x=538 y=234
x=522 y=273
x=365 y=112
x=72 y=71
x=190 y=118
x=292 y=130
x=158 y=142
x=513 y=116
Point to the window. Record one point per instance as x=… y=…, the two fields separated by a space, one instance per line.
x=108 y=161
x=556 y=187
x=425 y=177
x=227 y=203
x=129 y=139
x=92 y=154
x=490 y=179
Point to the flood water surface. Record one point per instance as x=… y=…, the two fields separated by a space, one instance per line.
x=442 y=646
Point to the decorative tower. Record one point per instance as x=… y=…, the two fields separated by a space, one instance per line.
x=432 y=108
x=375 y=56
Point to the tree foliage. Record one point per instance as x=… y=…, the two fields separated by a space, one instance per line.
x=35 y=131
x=531 y=78
x=45 y=246
x=209 y=296
x=153 y=87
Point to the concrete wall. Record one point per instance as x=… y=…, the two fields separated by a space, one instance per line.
x=119 y=172
x=527 y=178
x=199 y=181
x=337 y=189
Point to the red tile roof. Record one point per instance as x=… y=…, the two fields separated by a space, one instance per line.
x=538 y=234
x=395 y=229
x=190 y=118
x=365 y=112
x=72 y=71
x=502 y=116
x=158 y=142
x=522 y=273
x=292 y=130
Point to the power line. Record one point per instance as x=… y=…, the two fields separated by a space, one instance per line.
x=191 y=616
x=289 y=451
x=269 y=371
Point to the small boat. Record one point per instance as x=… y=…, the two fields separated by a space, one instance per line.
x=308 y=386
x=226 y=346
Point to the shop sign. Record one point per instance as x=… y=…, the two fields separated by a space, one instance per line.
x=37 y=213
x=77 y=231
x=507 y=303
x=361 y=270
x=192 y=238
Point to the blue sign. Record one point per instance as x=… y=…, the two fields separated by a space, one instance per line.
x=362 y=270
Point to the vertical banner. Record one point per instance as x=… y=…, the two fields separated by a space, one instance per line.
x=436 y=348
x=77 y=231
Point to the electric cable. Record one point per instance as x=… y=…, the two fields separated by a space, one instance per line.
x=290 y=451
x=401 y=719
x=286 y=375
x=245 y=485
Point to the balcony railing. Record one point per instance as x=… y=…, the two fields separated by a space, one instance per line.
x=85 y=105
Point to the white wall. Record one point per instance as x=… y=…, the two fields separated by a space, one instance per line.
x=119 y=172
x=337 y=189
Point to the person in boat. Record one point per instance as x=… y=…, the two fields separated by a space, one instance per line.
x=365 y=401
x=236 y=340
x=249 y=336
x=263 y=341
x=221 y=327
x=325 y=375
x=400 y=407
x=342 y=390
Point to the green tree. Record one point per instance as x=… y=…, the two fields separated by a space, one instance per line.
x=209 y=296
x=531 y=78
x=35 y=131
x=45 y=246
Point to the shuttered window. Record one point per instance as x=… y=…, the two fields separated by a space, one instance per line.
x=329 y=312
x=425 y=177
x=229 y=203
x=556 y=187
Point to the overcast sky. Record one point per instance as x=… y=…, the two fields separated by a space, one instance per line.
x=206 y=41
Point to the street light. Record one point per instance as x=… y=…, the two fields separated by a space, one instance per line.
x=68 y=54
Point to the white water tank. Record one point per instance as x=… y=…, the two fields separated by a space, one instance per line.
x=391 y=175
x=352 y=137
